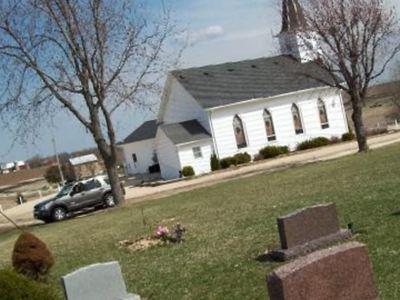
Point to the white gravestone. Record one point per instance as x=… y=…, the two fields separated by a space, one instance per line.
x=97 y=282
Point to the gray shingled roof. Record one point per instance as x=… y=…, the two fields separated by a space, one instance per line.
x=145 y=131
x=224 y=84
x=185 y=132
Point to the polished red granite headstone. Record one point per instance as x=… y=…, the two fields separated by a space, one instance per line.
x=339 y=273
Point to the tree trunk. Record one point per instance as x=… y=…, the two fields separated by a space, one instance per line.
x=108 y=154
x=111 y=167
x=359 y=124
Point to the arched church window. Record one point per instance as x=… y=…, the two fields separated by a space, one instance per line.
x=298 y=124
x=239 y=132
x=269 y=125
x=323 y=116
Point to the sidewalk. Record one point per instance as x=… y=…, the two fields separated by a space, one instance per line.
x=136 y=194
x=23 y=213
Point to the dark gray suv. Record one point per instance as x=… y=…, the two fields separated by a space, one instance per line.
x=75 y=197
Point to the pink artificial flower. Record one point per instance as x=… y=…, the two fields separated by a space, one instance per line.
x=162 y=231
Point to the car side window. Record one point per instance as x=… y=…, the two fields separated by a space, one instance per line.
x=78 y=188
x=92 y=184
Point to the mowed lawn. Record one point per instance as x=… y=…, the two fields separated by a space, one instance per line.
x=229 y=224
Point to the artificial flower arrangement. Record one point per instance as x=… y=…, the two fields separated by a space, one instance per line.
x=164 y=234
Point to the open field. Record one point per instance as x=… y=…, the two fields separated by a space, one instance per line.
x=229 y=224
x=23 y=175
x=379 y=112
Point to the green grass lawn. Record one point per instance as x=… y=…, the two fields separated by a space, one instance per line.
x=229 y=224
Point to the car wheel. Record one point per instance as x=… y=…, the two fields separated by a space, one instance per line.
x=59 y=214
x=109 y=200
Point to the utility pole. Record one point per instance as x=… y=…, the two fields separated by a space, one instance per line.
x=58 y=161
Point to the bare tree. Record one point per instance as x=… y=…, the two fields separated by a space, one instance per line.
x=358 y=39
x=394 y=89
x=90 y=57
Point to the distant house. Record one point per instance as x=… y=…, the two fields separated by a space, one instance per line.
x=242 y=106
x=7 y=168
x=86 y=166
x=139 y=153
x=20 y=165
x=13 y=166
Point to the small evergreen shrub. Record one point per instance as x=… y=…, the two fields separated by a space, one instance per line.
x=313 y=143
x=273 y=151
x=15 y=286
x=335 y=140
x=349 y=136
x=31 y=257
x=228 y=161
x=242 y=158
x=188 y=171
x=52 y=174
x=215 y=163
x=237 y=159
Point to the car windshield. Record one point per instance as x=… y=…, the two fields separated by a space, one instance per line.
x=65 y=190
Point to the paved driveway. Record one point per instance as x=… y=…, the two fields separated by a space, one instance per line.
x=23 y=213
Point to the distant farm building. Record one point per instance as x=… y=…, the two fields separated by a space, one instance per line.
x=12 y=167
x=86 y=166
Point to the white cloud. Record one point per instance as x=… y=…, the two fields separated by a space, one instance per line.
x=204 y=34
x=247 y=34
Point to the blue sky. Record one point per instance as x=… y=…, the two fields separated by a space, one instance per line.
x=221 y=30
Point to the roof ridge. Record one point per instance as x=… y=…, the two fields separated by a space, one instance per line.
x=230 y=62
x=140 y=134
x=180 y=122
x=151 y=120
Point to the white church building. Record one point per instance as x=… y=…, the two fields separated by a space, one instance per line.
x=239 y=107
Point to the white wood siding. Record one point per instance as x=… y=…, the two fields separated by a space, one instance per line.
x=167 y=156
x=144 y=152
x=199 y=165
x=251 y=114
x=180 y=106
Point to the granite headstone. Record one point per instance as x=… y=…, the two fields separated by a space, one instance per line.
x=307 y=230
x=339 y=273
x=97 y=282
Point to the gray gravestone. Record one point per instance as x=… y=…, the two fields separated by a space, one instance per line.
x=340 y=273
x=97 y=282
x=308 y=229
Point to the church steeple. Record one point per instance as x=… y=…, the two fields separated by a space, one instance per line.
x=292 y=39
x=293 y=18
